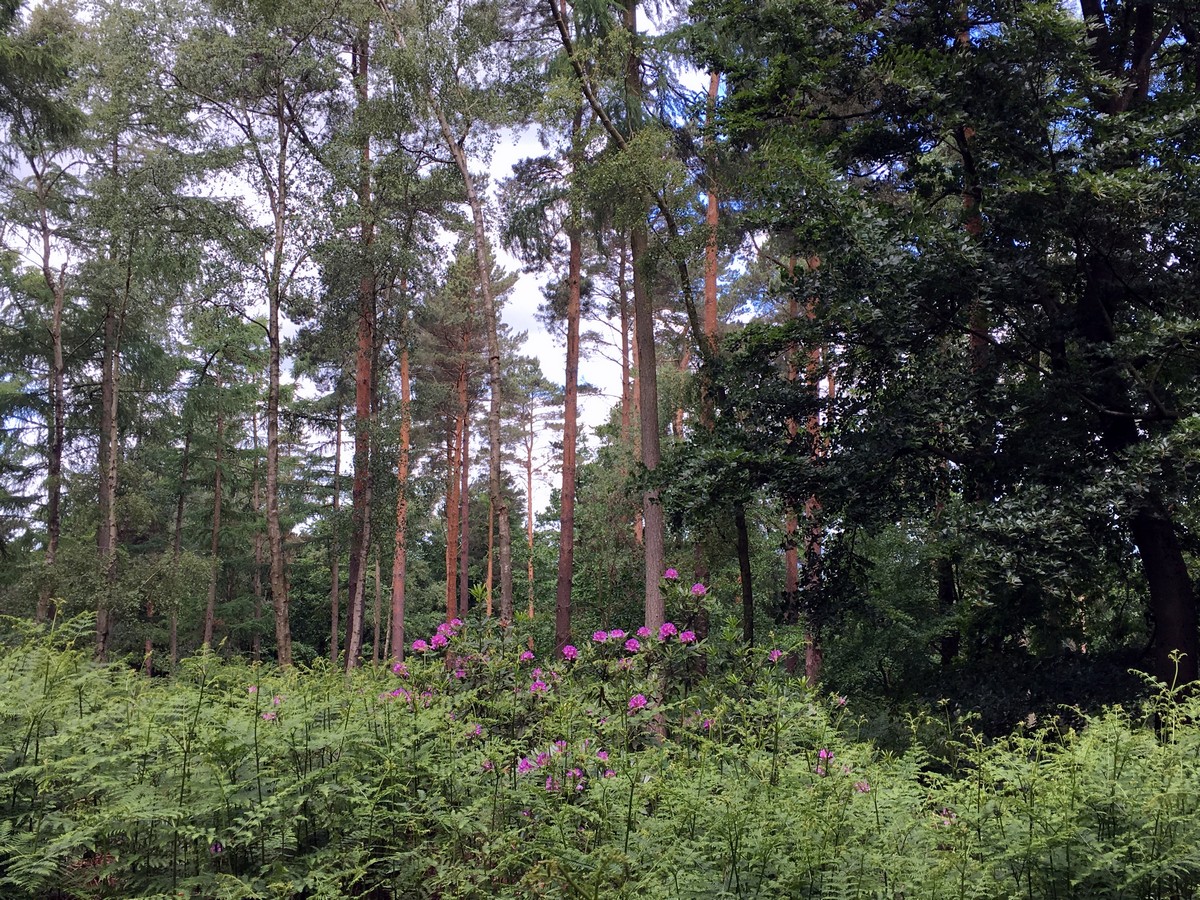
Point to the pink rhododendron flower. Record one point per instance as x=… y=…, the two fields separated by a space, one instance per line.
x=632 y=645
x=560 y=745
x=456 y=623
x=862 y=787
x=666 y=629
x=599 y=636
x=670 y=574
x=276 y=700
x=400 y=669
x=687 y=637
x=706 y=724
x=602 y=755
x=637 y=701
x=699 y=590
x=824 y=754
x=542 y=759
x=841 y=701
x=551 y=783
x=538 y=687
x=524 y=765
x=420 y=646
x=820 y=770
x=253 y=689
x=438 y=641
x=616 y=634
x=774 y=655
x=609 y=773
x=570 y=651
x=526 y=655
x=268 y=716
x=643 y=632
x=460 y=673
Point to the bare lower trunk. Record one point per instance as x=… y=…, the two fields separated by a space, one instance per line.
x=210 y=609
x=484 y=269
x=106 y=532
x=363 y=382
x=464 y=519
x=335 y=548
x=378 y=611
x=279 y=578
x=566 y=524
x=452 y=510
x=400 y=545
x=256 y=580
x=652 y=512
x=56 y=283
x=744 y=574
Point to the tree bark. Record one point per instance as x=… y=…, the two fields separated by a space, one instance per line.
x=566 y=524
x=106 y=532
x=484 y=268
x=647 y=363
x=453 y=508
x=210 y=609
x=363 y=377
x=279 y=578
x=256 y=580
x=743 y=555
x=176 y=553
x=335 y=547
x=400 y=545
x=56 y=284
x=464 y=515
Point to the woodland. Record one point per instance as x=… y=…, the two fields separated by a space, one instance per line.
x=903 y=453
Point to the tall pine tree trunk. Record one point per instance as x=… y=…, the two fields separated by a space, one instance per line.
x=56 y=284
x=279 y=579
x=484 y=270
x=400 y=543
x=335 y=547
x=210 y=609
x=647 y=362
x=566 y=522
x=464 y=517
x=363 y=378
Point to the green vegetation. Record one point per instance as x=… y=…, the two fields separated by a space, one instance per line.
x=484 y=769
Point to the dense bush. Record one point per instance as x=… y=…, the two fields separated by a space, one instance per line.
x=480 y=770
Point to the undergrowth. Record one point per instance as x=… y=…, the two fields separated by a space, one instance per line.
x=661 y=769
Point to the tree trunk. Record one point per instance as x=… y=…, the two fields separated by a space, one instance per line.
x=279 y=580
x=400 y=546
x=626 y=383
x=484 y=269
x=566 y=524
x=647 y=363
x=453 y=440
x=743 y=555
x=363 y=379
x=378 y=611
x=56 y=284
x=529 y=438
x=176 y=553
x=210 y=609
x=464 y=516
x=335 y=547
x=106 y=532
x=256 y=581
